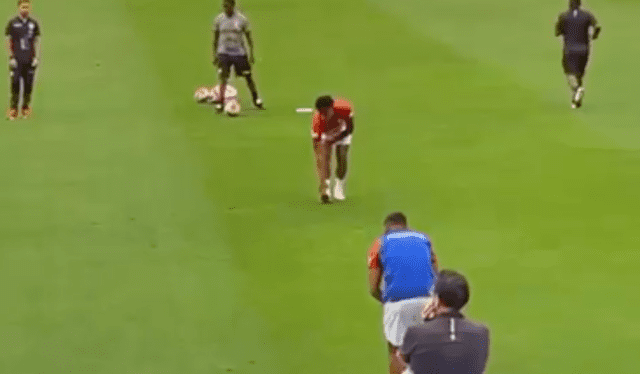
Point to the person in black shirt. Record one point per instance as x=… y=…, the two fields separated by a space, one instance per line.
x=578 y=27
x=446 y=343
x=23 y=45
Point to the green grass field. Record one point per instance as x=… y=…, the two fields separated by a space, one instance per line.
x=142 y=233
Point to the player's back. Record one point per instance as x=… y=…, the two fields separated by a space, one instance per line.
x=575 y=24
x=405 y=256
x=342 y=107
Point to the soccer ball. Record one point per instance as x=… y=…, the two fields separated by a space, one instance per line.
x=203 y=94
x=230 y=92
x=232 y=108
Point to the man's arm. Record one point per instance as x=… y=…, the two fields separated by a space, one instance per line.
x=216 y=38
x=375 y=276
x=247 y=34
x=36 y=50
x=596 y=27
x=375 y=270
x=9 y=44
x=407 y=345
x=560 y=25
x=338 y=132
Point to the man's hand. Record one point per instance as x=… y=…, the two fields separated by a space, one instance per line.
x=216 y=60
x=34 y=63
x=430 y=309
x=13 y=63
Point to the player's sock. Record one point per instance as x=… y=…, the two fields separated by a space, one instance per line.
x=573 y=82
x=338 y=189
x=579 y=95
x=254 y=91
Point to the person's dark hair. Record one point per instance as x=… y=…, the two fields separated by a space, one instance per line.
x=230 y=2
x=452 y=289
x=575 y=4
x=396 y=218
x=324 y=102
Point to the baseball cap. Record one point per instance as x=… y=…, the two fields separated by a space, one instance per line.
x=452 y=289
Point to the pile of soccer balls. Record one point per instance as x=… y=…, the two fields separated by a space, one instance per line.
x=211 y=95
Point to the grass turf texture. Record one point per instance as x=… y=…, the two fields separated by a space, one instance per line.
x=141 y=233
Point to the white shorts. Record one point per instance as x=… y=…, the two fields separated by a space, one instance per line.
x=344 y=141
x=400 y=315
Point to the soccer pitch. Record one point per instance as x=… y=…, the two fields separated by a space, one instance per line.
x=142 y=233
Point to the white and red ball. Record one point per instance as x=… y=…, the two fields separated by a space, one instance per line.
x=232 y=107
x=203 y=94
x=230 y=92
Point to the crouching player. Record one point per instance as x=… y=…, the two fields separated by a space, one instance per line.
x=332 y=128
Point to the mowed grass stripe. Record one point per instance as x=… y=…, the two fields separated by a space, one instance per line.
x=463 y=157
x=518 y=39
x=111 y=256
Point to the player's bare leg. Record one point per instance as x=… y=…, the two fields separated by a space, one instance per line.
x=223 y=89
x=575 y=84
x=323 y=164
x=257 y=101
x=579 y=92
x=342 y=152
x=223 y=77
x=396 y=364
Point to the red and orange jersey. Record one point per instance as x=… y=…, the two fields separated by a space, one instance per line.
x=343 y=113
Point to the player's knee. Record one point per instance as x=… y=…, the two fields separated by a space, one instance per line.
x=223 y=74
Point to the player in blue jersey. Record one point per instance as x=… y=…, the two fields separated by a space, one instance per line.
x=402 y=272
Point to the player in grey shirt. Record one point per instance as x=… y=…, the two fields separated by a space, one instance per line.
x=229 y=30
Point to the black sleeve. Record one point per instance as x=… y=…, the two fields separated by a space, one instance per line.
x=488 y=346
x=407 y=345
x=36 y=31
x=560 y=25
x=7 y=31
x=593 y=22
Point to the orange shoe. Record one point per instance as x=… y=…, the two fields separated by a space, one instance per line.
x=12 y=114
x=26 y=112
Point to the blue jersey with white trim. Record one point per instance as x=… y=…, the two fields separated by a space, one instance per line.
x=407 y=270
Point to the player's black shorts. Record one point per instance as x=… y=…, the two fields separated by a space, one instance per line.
x=240 y=65
x=575 y=62
x=23 y=70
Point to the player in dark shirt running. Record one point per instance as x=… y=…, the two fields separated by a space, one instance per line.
x=578 y=27
x=23 y=45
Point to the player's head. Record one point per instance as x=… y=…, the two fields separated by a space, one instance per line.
x=24 y=7
x=574 y=4
x=452 y=289
x=395 y=220
x=324 y=105
x=229 y=6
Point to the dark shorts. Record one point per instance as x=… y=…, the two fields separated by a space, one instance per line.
x=240 y=65
x=24 y=70
x=575 y=62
